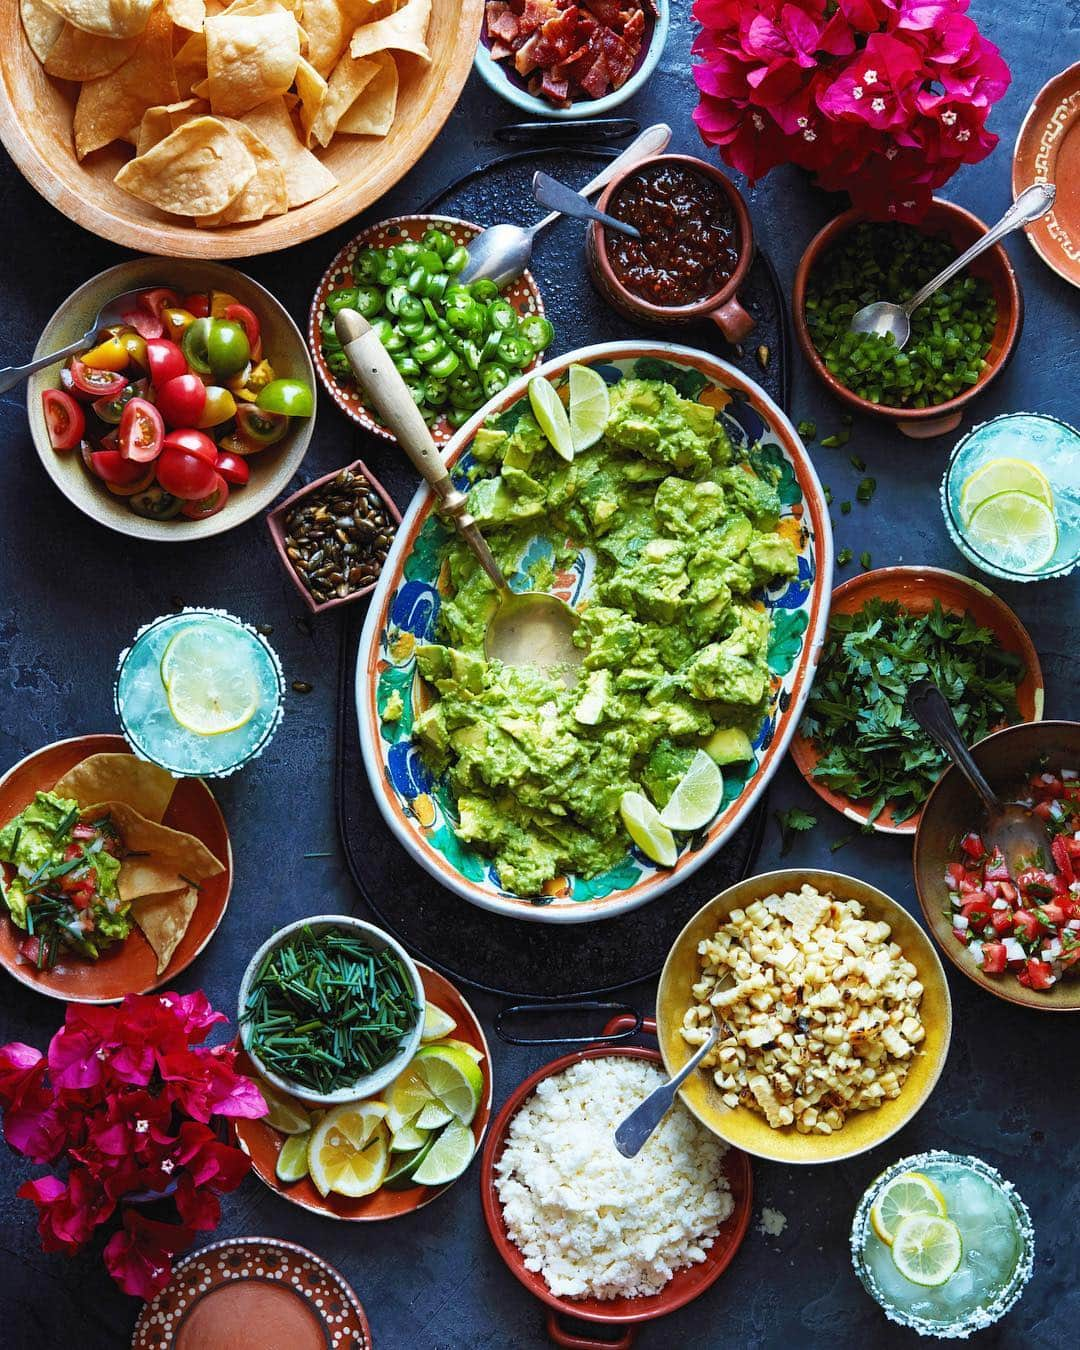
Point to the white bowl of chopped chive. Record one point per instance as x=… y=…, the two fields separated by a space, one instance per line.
x=331 y=1009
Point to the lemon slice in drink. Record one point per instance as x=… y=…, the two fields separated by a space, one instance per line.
x=647 y=830
x=550 y=413
x=1015 y=530
x=927 y=1249
x=292 y=1161
x=906 y=1195
x=697 y=795
x=209 y=682
x=452 y=1077
x=437 y=1023
x=285 y=1115
x=450 y=1155
x=349 y=1150
x=590 y=406
x=1004 y=475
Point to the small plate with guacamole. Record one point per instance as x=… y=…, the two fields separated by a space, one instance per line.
x=690 y=531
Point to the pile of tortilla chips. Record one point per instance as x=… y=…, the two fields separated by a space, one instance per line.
x=226 y=105
x=162 y=868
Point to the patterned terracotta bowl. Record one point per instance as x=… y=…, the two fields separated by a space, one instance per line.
x=419 y=806
x=523 y=294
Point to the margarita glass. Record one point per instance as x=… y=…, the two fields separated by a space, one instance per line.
x=199 y=693
x=989 y=1265
x=1011 y=497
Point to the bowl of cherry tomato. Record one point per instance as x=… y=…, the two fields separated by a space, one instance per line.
x=185 y=419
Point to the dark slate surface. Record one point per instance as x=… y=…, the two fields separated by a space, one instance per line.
x=73 y=594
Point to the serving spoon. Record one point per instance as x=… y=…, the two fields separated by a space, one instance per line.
x=549 y=191
x=528 y=628
x=633 y=1133
x=1010 y=826
x=108 y=316
x=883 y=317
x=502 y=252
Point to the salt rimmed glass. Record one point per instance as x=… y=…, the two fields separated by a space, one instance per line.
x=997 y=1235
x=148 y=724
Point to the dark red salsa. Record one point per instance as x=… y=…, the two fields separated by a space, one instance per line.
x=689 y=245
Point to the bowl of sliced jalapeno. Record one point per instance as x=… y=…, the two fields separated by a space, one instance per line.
x=457 y=346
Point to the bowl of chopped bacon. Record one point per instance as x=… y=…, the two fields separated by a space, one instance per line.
x=558 y=58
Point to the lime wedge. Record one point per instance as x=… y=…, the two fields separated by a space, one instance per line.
x=433 y=1116
x=1004 y=475
x=550 y=413
x=475 y=1055
x=406 y=1097
x=437 y=1023
x=590 y=406
x=452 y=1077
x=450 y=1155
x=292 y=1164
x=926 y=1249
x=647 y=830
x=411 y=1137
x=697 y=795
x=286 y=1115
x=1014 y=530
x=400 y=1176
x=906 y=1195
x=209 y=681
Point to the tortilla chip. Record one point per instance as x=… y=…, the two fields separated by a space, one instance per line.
x=107 y=18
x=250 y=58
x=41 y=25
x=119 y=778
x=305 y=176
x=157 y=123
x=189 y=14
x=265 y=195
x=108 y=108
x=197 y=170
x=403 y=31
x=156 y=859
x=373 y=112
x=331 y=23
x=312 y=89
x=350 y=77
x=84 y=56
x=164 y=920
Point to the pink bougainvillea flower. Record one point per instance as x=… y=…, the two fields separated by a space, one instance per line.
x=199 y=1209
x=208 y=1161
x=204 y=1083
x=67 y=1214
x=139 y=1256
x=877 y=85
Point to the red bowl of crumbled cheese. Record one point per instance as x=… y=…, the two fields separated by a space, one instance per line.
x=592 y=1234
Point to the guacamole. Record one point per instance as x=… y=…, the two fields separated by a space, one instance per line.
x=64 y=890
x=675 y=643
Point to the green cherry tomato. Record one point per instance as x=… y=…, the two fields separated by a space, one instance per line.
x=291 y=397
x=196 y=345
x=228 y=349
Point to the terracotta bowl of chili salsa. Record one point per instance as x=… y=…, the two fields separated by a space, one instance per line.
x=695 y=251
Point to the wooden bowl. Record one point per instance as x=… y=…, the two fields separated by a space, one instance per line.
x=917 y=588
x=271 y=468
x=35 y=128
x=747 y=1129
x=994 y=266
x=1006 y=758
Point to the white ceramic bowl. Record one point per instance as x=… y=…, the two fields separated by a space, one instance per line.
x=378 y=941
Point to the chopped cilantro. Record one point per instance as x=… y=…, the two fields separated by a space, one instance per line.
x=865 y=560
x=844 y=557
x=828 y=496
x=845 y=508
x=807 y=429
x=791 y=822
x=857 y=464
x=866 y=489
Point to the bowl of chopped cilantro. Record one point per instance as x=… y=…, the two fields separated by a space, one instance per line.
x=961 y=338
x=857 y=746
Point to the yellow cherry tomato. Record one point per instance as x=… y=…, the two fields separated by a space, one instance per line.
x=108 y=355
x=177 y=322
x=135 y=346
x=220 y=406
x=220 y=302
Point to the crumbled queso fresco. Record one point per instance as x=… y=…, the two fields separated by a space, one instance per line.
x=596 y=1224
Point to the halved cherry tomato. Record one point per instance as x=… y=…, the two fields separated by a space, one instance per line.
x=293 y=397
x=248 y=320
x=111 y=467
x=142 y=431
x=232 y=468
x=156 y=300
x=112 y=409
x=219 y=407
x=177 y=322
x=134 y=344
x=109 y=354
x=258 y=428
x=197 y=303
x=220 y=302
x=165 y=359
x=186 y=475
x=196 y=345
x=181 y=400
x=192 y=442
x=209 y=505
x=234 y=444
x=147 y=325
x=139 y=485
x=154 y=503
x=64 y=418
x=227 y=348
x=95 y=383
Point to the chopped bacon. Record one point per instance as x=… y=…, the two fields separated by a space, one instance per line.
x=502 y=23
x=554 y=89
x=499 y=50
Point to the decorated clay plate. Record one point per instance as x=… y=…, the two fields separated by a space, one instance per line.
x=262 y=1143
x=1048 y=151
x=218 y=1295
x=419 y=807
x=523 y=294
x=917 y=588
x=128 y=967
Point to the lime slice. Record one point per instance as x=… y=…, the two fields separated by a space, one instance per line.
x=292 y=1164
x=696 y=798
x=209 y=681
x=1004 y=475
x=551 y=415
x=590 y=406
x=475 y=1055
x=450 y=1155
x=1014 y=530
x=433 y=1116
x=647 y=830
x=349 y=1150
x=410 y=1137
x=452 y=1077
x=926 y=1249
x=437 y=1023
x=400 y=1176
x=906 y=1195
x=286 y=1115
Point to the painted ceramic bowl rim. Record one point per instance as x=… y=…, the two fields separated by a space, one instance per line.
x=371 y=1083
x=1069 y=77
x=812 y=640
x=496 y=79
x=873 y=579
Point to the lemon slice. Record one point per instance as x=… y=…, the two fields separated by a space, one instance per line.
x=550 y=413
x=906 y=1195
x=406 y=1097
x=647 y=830
x=450 y=1155
x=437 y=1023
x=1004 y=475
x=1015 y=530
x=590 y=407
x=452 y=1077
x=927 y=1249
x=285 y=1115
x=697 y=796
x=292 y=1164
x=209 y=681
x=411 y=1137
x=349 y=1150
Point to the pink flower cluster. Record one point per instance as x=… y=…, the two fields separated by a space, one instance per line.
x=126 y=1096
x=883 y=99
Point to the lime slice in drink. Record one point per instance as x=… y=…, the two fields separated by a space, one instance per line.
x=926 y=1249
x=452 y=1077
x=349 y=1150
x=697 y=795
x=400 y=1176
x=1004 y=475
x=1014 y=530
x=450 y=1155
x=550 y=413
x=590 y=407
x=647 y=830
x=437 y=1023
x=285 y=1115
x=292 y=1164
x=209 y=680
x=905 y=1195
